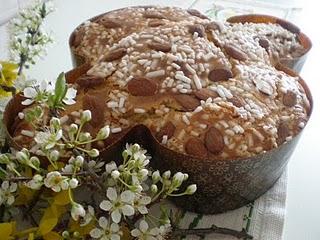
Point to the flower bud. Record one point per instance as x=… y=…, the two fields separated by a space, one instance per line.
x=73 y=183
x=166 y=174
x=86 y=116
x=103 y=133
x=77 y=211
x=64 y=184
x=35 y=161
x=73 y=128
x=156 y=176
x=135 y=148
x=154 y=188
x=125 y=154
x=22 y=157
x=66 y=234
x=93 y=153
x=4 y=159
x=115 y=174
x=83 y=137
x=54 y=155
x=191 y=189
x=143 y=173
x=79 y=161
x=55 y=123
x=186 y=176
x=178 y=178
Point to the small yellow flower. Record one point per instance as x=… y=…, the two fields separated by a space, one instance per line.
x=8 y=74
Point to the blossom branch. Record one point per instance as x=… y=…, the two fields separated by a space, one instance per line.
x=213 y=229
x=24 y=179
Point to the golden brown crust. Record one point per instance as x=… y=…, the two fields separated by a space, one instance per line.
x=161 y=68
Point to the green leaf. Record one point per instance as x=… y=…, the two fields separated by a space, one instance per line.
x=60 y=88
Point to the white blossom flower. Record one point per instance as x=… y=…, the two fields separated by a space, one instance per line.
x=35 y=93
x=138 y=154
x=107 y=231
x=56 y=181
x=70 y=95
x=144 y=233
x=110 y=167
x=88 y=217
x=118 y=205
x=48 y=139
x=36 y=182
x=141 y=203
x=6 y=192
x=77 y=211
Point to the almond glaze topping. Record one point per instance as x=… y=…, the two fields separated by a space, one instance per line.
x=188 y=102
x=153 y=14
x=194 y=146
x=263 y=42
x=235 y=53
x=219 y=74
x=167 y=130
x=237 y=101
x=155 y=23
x=163 y=47
x=205 y=93
x=109 y=23
x=214 y=140
x=141 y=86
x=86 y=81
x=115 y=54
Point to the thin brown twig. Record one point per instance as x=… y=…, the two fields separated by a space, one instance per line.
x=23 y=179
x=214 y=229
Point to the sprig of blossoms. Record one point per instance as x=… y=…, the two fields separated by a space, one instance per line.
x=126 y=190
x=28 y=39
x=129 y=194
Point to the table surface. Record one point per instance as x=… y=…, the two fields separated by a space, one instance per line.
x=303 y=205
